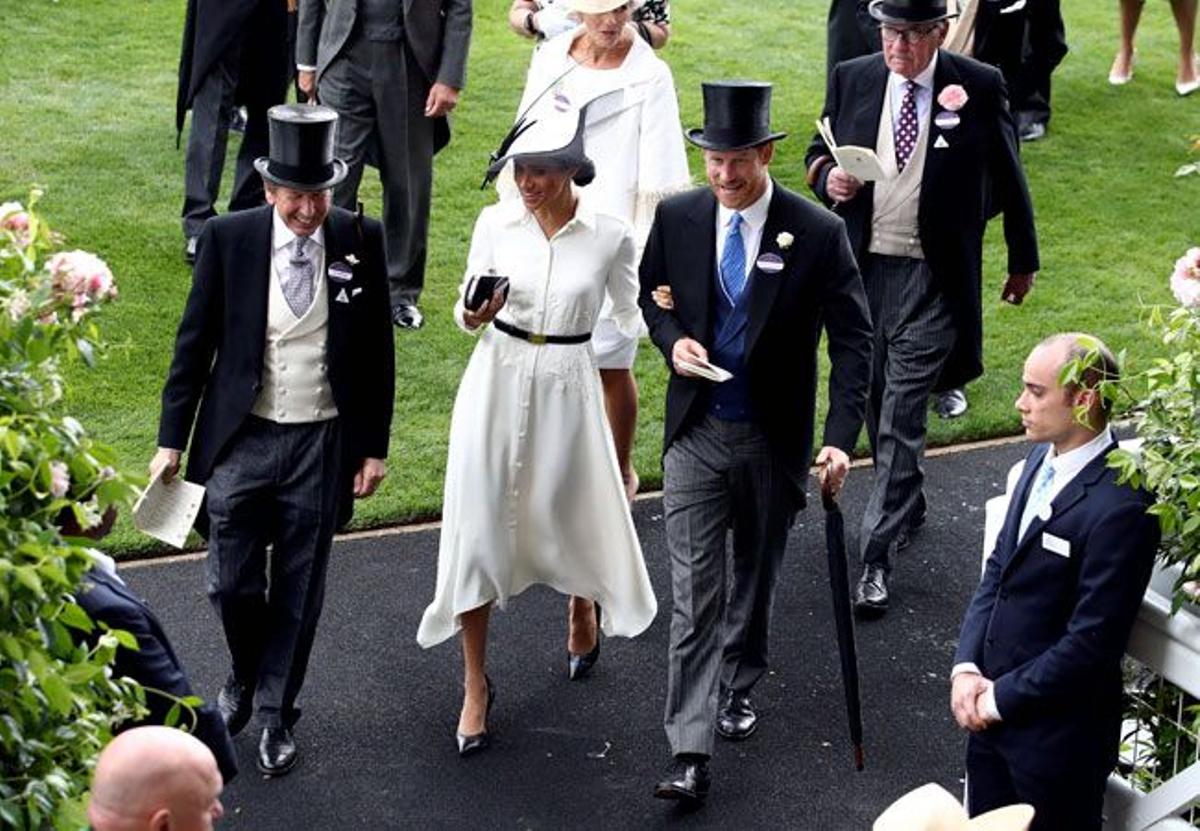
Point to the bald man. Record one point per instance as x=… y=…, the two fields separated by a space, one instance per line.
x=154 y=779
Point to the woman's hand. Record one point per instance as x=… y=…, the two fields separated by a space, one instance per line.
x=485 y=313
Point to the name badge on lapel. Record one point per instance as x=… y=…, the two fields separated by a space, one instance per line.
x=769 y=263
x=340 y=273
x=1056 y=545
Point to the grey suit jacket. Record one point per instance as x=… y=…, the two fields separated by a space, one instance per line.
x=437 y=31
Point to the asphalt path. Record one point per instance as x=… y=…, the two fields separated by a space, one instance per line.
x=377 y=735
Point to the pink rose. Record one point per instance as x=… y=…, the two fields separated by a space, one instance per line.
x=1185 y=279
x=952 y=97
x=80 y=276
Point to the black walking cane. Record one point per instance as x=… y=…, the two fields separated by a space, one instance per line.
x=839 y=583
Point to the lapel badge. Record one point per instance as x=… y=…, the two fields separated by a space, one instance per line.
x=941 y=143
x=769 y=264
x=353 y=260
x=340 y=273
x=947 y=120
x=356 y=291
x=341 y=297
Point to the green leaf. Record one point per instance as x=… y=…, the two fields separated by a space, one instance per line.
x=125 y=639
x=172 y=717
x=28 y=577
x=58 y=694
x=81 y=673
x=74 y=616
x=86 y=351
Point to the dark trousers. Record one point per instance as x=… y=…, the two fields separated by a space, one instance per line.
x=1068 y=796
x=720 y=476
x=850 y=32
x=914 y=334
x=1045 y=47
x=277 y=487
x=212 y=111
x=379 y=93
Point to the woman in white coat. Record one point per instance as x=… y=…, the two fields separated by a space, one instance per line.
x=532 y=472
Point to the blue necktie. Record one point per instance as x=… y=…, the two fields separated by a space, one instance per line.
x=733 y=260
x=1038 y=496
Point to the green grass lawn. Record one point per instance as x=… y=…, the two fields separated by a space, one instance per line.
x=87 y=96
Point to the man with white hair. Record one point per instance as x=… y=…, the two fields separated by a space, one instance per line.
x=155 y=778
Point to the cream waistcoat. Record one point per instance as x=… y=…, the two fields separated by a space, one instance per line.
x=295 y=386
x=897 y=199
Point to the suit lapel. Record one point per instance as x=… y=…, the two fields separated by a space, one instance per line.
x=943 y=76
x=764 y=287
x=339 y=240
x=252 y=279
x=868 y=106
x=699 y=264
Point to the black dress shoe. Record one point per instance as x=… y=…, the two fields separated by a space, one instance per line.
x=470 y=745
x=688 y=780
x=871 y=594
x=276 y=751
x=579 y=666
x=235 y=703
x=951 y=403
x=736 y=720
x=1033 y=131
x=407 y=316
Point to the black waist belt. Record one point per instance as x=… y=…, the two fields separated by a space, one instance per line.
x=533 y=337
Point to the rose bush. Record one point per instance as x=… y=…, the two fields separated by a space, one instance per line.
x=58 y=701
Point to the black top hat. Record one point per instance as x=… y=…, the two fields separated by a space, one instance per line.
x=737 y=115
x=301 y=148
x=909 y=11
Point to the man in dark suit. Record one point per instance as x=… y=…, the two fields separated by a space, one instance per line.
x=1037 y=676
x=106 y=599
x=393 y=70
x=285 y=347
x=850 y=32
x=940 y=125
x=217 y=73
x=753 y=273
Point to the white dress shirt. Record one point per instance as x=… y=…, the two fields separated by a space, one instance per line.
x=754 y=217
x=924 y=95
x=283 y=244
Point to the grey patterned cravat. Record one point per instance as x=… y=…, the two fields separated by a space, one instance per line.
x=298 y=289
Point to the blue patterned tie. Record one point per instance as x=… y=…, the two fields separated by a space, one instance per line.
x=733 y=260
x=1038 y=496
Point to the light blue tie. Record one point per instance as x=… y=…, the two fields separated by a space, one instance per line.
x=1039 y=496
x=733 y=260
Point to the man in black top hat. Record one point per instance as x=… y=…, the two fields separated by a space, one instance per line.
x=940 y=125
x=747 y=274
x=285 y=351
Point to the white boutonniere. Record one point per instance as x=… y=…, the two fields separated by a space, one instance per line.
x=784 y=240
x=353 y=260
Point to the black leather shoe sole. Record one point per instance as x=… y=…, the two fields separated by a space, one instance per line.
x=870 y=611
x=669 y=790
x=278 y=770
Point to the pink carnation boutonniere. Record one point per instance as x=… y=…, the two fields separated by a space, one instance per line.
x=1185 y=279
x=952 y=97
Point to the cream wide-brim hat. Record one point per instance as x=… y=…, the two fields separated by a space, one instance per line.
x=599 y=6
x=932 y=808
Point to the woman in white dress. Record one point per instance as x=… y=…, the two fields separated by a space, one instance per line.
x=638 y=153
x=532 y=473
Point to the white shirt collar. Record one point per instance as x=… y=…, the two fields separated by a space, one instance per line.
x=754 y=215
x=281 y=235
x=924 y=78
x=1068 y=465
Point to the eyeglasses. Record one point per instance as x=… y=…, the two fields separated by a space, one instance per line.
x=911 y=35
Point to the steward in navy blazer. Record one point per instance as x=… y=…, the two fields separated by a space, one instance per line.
x=153 y=664
x=818 y=287
x=1049 y=629
x=218 y=359
x=976 y=174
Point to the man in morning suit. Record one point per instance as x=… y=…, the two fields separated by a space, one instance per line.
x=285 y=347
x=753 y=273
x=940 y=126
x=393 y=70
x=1037 y=675
x=234 y=52
x=108 y=600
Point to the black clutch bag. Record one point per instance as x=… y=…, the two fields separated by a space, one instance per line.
x=481 y=287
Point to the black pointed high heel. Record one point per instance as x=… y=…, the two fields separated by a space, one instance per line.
x=470 y=745
x=578 y=666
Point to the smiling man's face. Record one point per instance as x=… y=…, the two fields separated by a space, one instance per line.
x=738 y=177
